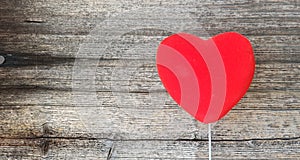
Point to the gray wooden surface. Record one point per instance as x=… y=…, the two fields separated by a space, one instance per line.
x=46 y=112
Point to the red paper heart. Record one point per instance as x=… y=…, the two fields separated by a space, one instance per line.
x=206 y=77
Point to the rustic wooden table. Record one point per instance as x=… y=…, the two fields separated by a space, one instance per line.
x=79 y=80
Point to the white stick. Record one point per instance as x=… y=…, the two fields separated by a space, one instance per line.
x=209 y=141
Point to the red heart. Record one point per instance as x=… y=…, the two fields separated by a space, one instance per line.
x=206 y=77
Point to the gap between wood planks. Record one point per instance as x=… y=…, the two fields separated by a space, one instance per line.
x=126 y=140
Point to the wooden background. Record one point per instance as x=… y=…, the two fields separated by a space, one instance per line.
x=131 y=119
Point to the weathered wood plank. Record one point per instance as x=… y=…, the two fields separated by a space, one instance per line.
x=285 y=47
x=134 y=75
x=145 y=123
x=30 y=96
x=59 y=148
x=69 y=149
x=79 y=17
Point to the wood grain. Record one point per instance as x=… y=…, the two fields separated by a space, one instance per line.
x=59 y=148
x=45 y=114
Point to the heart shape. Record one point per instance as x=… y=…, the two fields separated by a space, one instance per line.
x=206 y=77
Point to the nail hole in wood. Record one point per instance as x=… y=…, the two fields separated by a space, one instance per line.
x=2 y=60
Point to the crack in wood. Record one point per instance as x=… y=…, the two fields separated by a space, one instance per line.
x=243 y=140
x=34 y=21
x=110 y=152
x=44 y=146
